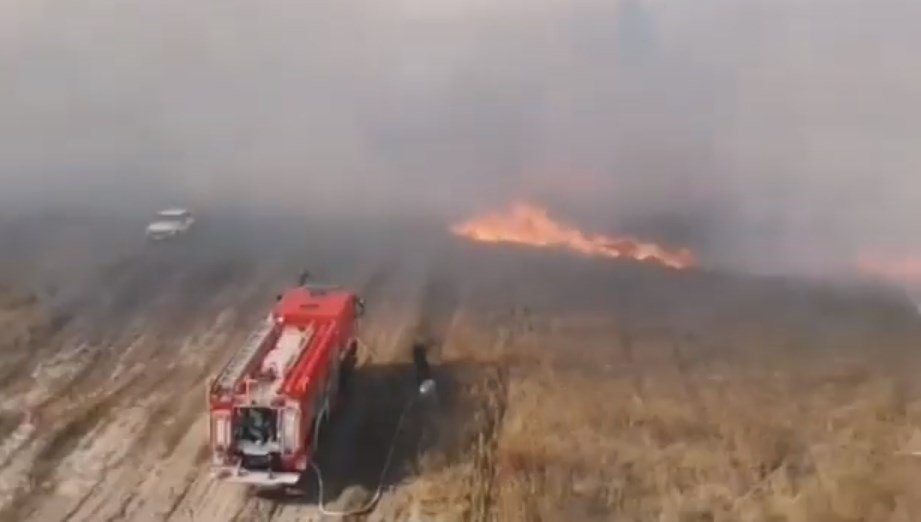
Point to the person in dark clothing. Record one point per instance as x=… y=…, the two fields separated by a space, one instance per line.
x=424 y=381
x=303 y=278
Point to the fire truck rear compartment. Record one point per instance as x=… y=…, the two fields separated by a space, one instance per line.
x=256 y=438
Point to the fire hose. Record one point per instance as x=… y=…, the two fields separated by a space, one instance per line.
x=426 y=387
x=372 y=502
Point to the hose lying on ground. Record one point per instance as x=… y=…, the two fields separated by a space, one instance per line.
x=369 y=505
x=425 y=387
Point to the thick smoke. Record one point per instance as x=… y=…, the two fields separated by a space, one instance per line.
x=771 y=134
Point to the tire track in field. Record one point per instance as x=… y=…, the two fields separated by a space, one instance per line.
x=180 y=419
x=173 y=414
x=148 y=331
x=96 y=416
x=64 y=438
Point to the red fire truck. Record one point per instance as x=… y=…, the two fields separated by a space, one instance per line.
x=269 y=401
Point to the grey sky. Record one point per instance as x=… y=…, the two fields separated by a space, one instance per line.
x=788 y=125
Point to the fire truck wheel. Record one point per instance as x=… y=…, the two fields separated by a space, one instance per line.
x=317 y=425
x=347 y=367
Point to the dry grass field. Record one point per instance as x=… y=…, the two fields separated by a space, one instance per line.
x=792 y=404
x=568 y=389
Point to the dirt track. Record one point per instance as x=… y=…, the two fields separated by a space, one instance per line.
x=106 y=353
x=102 y=398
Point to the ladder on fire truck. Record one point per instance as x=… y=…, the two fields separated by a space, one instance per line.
x=238 y=364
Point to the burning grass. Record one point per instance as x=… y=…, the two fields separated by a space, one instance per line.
x=527 y=224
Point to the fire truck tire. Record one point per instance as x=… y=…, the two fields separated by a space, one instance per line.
x=320 y=421
x=317 y=424
x=349 y=361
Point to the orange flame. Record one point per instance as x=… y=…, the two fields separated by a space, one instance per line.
x=904 y=270
x=527 y=224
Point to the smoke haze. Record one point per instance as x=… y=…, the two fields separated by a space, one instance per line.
x=777 y=133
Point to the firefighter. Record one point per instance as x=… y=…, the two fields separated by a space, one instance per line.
x=424 y=381
x=256 y=427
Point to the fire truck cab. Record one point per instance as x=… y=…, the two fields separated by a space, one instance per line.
x=269 y=401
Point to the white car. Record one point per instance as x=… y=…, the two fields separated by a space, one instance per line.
x=170 y=223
